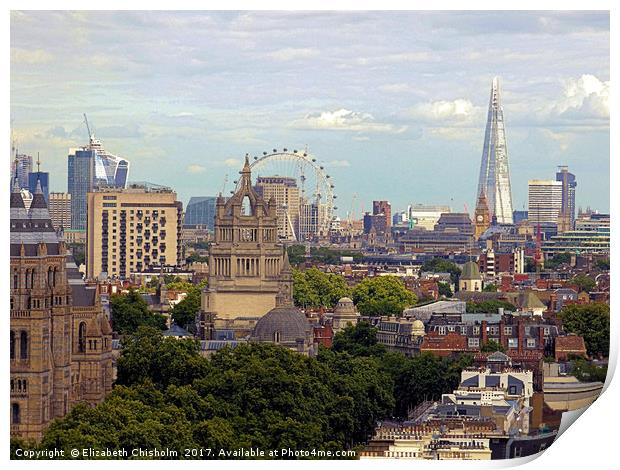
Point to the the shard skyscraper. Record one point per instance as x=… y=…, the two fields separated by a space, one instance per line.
x=494 y=173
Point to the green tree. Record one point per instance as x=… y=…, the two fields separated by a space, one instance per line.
x=583 y=283
x=358 y=340
x=489 y=288
x=130 y=311
x=491 y=346
x=313 y=288
x=184 y=313
x=602 y=264
x=382 y=295
x=440 y=265
x=585 y=371
x=296 y=254
x=444 y=289
x=591 y=321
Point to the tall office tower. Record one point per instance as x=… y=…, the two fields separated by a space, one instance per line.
x=544 y=201
x=285 y=192
x=61 y=342
x=41 y=177
x=21 y=166
x=60 y=210
x=110 y=170
x=131 y=230
x=494 y=173
x=567 y=214
x=80 y=181
x=383 y=208
x=200 y=210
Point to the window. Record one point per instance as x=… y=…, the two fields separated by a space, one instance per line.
x=82 y=337
x=546 y=331
x=15 y=415
x=473 y=342
x=513 y=343
x=15 y=280
x=12 y=344
x=23 y=345
x=508 y=330
x=531 y=343
x=476 y=330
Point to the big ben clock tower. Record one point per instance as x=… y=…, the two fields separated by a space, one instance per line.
x=482 y=215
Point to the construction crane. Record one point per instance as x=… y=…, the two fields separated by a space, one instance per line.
x=350 y=216
x=90 y=135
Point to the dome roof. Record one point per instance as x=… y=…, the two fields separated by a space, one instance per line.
x=470 y=271
x=418 y=328
x=287 y=321
x=345 y=306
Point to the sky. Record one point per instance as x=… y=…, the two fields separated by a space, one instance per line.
x=392 y=103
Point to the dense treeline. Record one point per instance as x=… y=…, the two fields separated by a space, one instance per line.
x=259 y=395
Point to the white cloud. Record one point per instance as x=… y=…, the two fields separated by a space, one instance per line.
x=293 y=53
x=459 y=110
x=344 y=119
x=35 y=56
x=232 y=163
x=586 y=96
x=194 y=168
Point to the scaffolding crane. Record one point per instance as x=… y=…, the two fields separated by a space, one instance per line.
x=90 y=134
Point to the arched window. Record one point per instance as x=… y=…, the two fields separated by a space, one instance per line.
x=15 y=415
x=12 y=385
x=54 y=277
x=246 y=207
x=29 y=303
x=32 y=275
x=23 y=345
x=82 y=337
x=276 y=337
x=15 y=279
x=50 y=275
x=12 y=344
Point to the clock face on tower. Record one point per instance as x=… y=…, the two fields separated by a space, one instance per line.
x=479 y=218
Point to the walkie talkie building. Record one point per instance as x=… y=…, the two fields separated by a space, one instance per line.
x=494 y=173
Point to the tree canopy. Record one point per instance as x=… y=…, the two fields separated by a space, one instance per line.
x=440 y=265
x=583 y=282
x=184 y=313
x=313 y=288
x=444 y=289
x=382 y=295
x=491 y=346
x=591 y=321
x=130 y=311
x=255 y=395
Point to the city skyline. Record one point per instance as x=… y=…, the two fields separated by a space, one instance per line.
x=257 y=81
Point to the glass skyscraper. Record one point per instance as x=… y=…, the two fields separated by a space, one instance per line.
x=80 y=181
x=44 y=178
x=569 y=183
x=201 y=211
x=494 y=178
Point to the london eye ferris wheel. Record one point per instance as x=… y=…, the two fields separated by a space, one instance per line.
x=315 y=187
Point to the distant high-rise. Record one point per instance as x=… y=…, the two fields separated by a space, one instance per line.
x=60 y=210
x=284 y=191
x=544 y=201
x=567 y=213
x=201 y=211
x=110 y=170
x=80 y=181
x=21 y=166
x=494 y=178
x=43 y=177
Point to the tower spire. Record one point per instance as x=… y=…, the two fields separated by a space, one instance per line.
x=494 y=169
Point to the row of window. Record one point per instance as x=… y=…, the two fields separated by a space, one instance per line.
x=19 y=385
x=30 y=278
x=492 y=330
x=22 y=346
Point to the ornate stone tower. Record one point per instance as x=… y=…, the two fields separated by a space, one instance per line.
x=482 y=216
x=50 y=371
x=245 y=262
